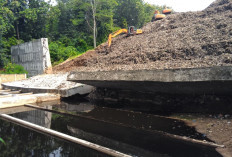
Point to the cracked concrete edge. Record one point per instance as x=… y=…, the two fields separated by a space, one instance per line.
x=222 y=73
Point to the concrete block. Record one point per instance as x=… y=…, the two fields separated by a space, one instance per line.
x=34 y=56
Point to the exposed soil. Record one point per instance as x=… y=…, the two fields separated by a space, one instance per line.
x=181 y=40
x=216 y=127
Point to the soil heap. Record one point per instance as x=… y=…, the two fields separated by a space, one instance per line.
x=181 y=40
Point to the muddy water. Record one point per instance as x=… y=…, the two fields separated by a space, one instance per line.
x=134 y=133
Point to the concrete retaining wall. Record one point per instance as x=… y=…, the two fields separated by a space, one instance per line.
x=210 y=80
x=34 y=56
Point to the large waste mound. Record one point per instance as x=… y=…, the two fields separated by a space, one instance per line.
x=181 y=40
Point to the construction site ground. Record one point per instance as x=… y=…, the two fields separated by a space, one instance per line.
x=181 y=40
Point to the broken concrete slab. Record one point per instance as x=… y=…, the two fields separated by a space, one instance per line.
x=211 y=80
x=50 y=83
x=81 y=89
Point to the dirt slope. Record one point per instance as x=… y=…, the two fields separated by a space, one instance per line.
x=181 y=40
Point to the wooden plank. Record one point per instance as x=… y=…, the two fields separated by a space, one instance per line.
x=10 y=95
x=10 y=92
x=24 y=99
x=5 y=90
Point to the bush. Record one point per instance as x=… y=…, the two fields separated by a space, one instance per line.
x=13 y=69
x=59 y=52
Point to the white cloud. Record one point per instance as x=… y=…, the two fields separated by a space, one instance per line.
x=183 y=5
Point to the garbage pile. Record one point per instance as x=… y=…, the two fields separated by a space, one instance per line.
x=181 y=40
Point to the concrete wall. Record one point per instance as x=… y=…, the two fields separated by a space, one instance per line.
x=11 y=78
x=34 y=56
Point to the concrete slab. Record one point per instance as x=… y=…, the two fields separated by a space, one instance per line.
x=52 y=83
x=212 y=80
x=81 y=89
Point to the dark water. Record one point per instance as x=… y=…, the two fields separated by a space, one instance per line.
x=134 y=133
x=23 y=142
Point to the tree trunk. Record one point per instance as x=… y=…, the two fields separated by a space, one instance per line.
x=17 y=30
x=94 y=32
x=94 y=6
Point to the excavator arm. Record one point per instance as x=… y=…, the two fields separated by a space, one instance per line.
x=112 y=35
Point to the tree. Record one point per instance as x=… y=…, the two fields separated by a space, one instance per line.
x=133 y=13
x=5 y=27
x=99 y=16
x=94 y=8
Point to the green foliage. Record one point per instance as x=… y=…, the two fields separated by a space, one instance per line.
x=13 y=69
x=60 y=50
x=3 y=59
x=1 y=140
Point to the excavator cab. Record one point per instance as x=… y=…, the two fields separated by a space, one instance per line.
x=131 y=30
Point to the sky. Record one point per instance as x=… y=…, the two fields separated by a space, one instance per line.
x=183 y=5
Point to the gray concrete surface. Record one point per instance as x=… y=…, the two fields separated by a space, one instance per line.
x=49 y=83
x=80 y=89
x=214 y=80
x=34 y=56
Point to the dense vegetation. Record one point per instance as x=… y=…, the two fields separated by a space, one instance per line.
x=13 y=69
x=72 y=26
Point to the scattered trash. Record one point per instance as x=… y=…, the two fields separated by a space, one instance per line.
x=227 y=115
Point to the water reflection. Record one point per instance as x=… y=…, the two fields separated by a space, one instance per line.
x=22 y=142
x=80 y=107
x=42 y=118
x=128 y=132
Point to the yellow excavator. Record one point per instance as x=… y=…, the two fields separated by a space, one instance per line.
x=130 y=31
x=159 y=16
